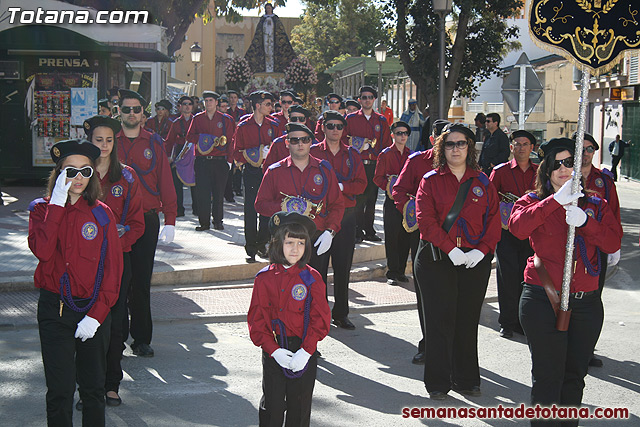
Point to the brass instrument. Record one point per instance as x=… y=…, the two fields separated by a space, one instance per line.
x=301 y=205
x=508 y=197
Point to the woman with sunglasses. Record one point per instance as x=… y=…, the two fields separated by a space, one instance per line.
x=121 y=192
x=560 y=358
x=75 y=238
x=457 y=211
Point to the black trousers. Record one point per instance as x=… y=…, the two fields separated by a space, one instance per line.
x=511 y=260
x=119 y=330
x=452 y=298
x=291 y=395
x=228 y=189
x=67 y=360
x=615 y=161
x=142 y=254
x=256 y=232
x=560 y=359
x=366 y=203
x=237 y=180
x=397 y=242
x=211 y=179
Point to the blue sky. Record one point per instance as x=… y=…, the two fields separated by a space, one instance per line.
x=293 y=9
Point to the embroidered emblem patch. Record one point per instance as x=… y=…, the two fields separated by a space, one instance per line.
x=477 y=191
x=89 y=230
x=270 y=132
x=116 y=190
x=56 y=151
x=377 y=128
x=276 y=220
x=599 y=183
x=299 y=292
x=148 y=154
x=590 y=212
x=219 y=125
x=317 y=178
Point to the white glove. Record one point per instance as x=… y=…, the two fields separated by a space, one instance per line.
x=365 y=147
x=60 y=190
x=265 y=151
x=283 y=357
x=299 y=360
x=575 y=216
x=457 y=257
x=474 y=256
x=324 y=242
x=614 y=258
x=168 y=233
x=87 y=328
x=341 y=185
x=564 y=196
x=230 y=165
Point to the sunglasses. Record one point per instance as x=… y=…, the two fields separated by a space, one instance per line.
x=589 y=149
x=301 y=140
x=450 y=145
x=367 y=97
x=286 y=102
x=334 y=101
x=297 y=119
x=187 y=103
x=126 y=110
x=72 y=172
x=332 y=126
x=401 y=133
x=567 y=163
x=517 y=145
x=488 y=121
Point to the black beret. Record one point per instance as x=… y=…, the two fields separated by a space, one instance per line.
x=283 y=218
x=299 y=109
x=587 y=137
x=334 y=95
x=113 y=91
x=103 y=103
x=369 y=89
x=298 y=100
x=353 y=103
x=230 y=91
x=288 y=93
x=210 y=94
x=400 y=123
x=556 y=145
x=333 y=115
x=164 y=103
x=438 y=125
x=130 y=94
x=184 y=98
x=480 y=116
x=70 y=147
x=260 y=95
x=343 y=105
x=223 y=98
x=523 y=133
x=459 y=127
x=298 y=127
x=93 y=122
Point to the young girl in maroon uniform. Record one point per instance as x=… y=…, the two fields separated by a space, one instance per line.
x=75 y=239
x=287 y=317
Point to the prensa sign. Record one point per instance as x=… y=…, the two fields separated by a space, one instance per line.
x=64 y=62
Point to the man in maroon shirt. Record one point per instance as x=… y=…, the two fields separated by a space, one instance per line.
x=234 y=111
x=512 y=180
x=363 y=128
x=211 y=132
x=282 y=118
x=160 y=123
x=144 y=152
x=279 y=149
x=333 y=100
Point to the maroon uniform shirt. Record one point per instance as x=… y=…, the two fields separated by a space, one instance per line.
x=250 y=134
x=115 y=195
x=434 y=200
x=348 y=168
x=390 y=162
x=510 y=178
x=161 y=127
x=319 y=133
x=285 y=177
x=376 y=127
x=219 y=125
x=601 y=181
x=237 y=113
x=277 y=152
x=273 y=298
x=147 y=157
x=418 y=164
x=177 y=135
x=543 y=222
x=69 y=240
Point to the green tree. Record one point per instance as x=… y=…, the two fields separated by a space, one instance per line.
x=335 y=28
x=478 y=37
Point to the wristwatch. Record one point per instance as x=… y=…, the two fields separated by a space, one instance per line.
x=333 y=233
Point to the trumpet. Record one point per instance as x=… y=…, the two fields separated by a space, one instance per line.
x=508 y=197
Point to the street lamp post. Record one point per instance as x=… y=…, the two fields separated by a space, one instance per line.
x=230 y=53
x=442 y=8
x=196 y=53
x=381 y=57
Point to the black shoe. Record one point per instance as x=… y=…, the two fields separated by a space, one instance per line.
x=263 y=254
x=344 y=323
x=419 y=358
x=250 y=259
x=218 y=226
x=506 y=333
x=79 y=405
x=473 y=391
x=402 y=278
x=142 y=350
x=392 y=282
x=180 y=214
x=112 y=401
x=358 y=239
x=595 y=362
x=231 y=200
x=238 y=193
x=201 y=228
x=437 y=395
x=372 y=238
